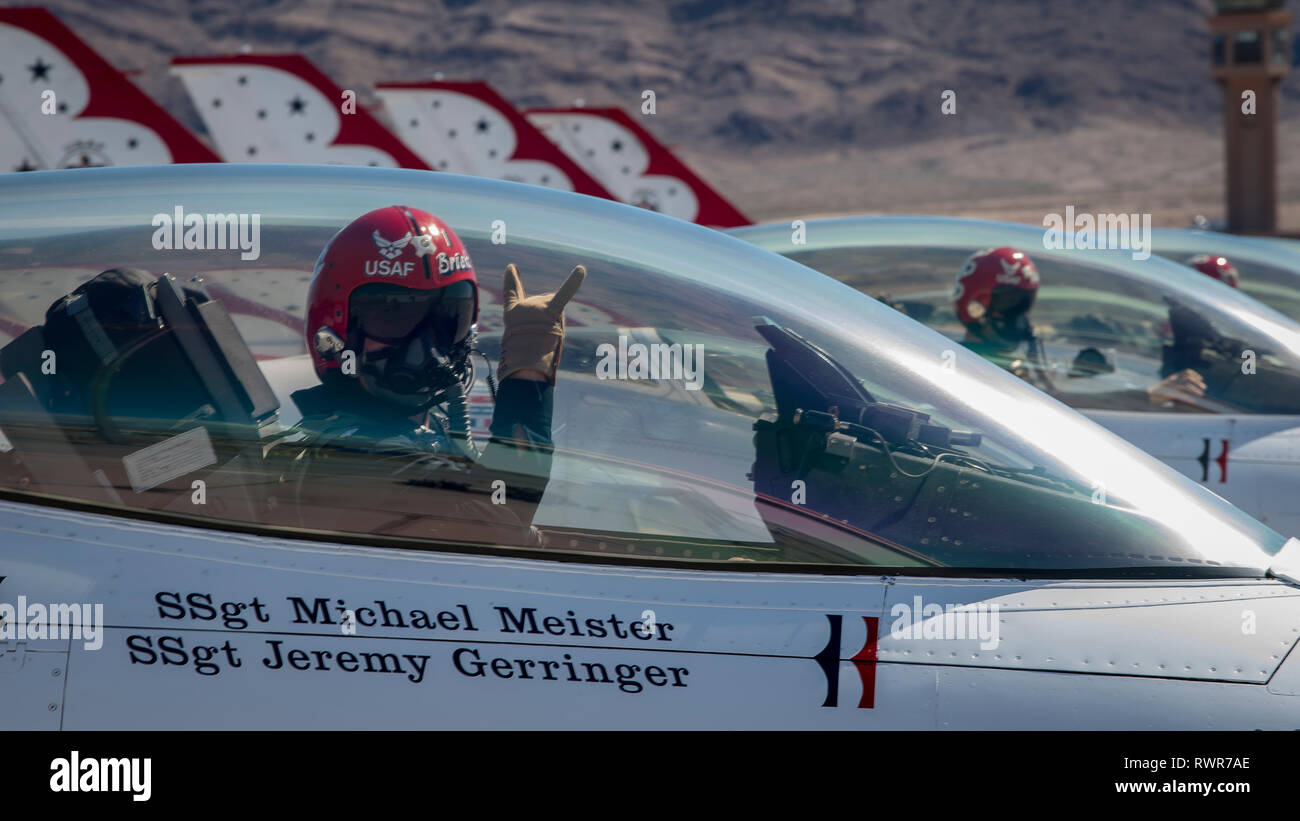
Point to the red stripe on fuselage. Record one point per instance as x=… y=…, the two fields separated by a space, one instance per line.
x=865 y=662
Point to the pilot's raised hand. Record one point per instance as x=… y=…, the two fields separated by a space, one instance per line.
x=534 y=328
x=1185 y=386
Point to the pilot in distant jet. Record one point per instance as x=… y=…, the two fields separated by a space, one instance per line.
x=392 y=312
x=1215 y=266
x=996 y=288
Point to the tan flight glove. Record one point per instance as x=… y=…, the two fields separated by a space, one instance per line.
x=534 y=327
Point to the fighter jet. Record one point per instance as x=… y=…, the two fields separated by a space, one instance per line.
x=1111 y=327
x=770 y=503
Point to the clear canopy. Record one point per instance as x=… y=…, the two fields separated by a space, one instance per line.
x=821 y=430
x=1143 y=319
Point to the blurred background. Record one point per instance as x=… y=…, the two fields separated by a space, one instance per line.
x=797 y=107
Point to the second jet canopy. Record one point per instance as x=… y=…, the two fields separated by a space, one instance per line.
x=1102 y=330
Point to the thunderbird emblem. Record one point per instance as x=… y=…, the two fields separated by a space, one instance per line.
x=424 y=244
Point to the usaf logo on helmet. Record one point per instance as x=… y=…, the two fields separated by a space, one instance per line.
x=1018 y=270
x=390 y=250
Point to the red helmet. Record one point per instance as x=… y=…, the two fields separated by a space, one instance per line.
x=402 y=260
x=1215 y=266
x=984 y=271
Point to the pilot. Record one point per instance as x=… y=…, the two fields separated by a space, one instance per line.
x=996 y=289
x=1215 y=266
x=391 y=327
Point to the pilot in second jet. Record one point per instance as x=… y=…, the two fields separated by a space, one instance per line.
x=1215 y=266
x=391 y=326
x=996 y=289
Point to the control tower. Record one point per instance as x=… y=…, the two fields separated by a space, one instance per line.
x=1250 y=54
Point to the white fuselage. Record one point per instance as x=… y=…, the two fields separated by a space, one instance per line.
x=1252 y=461
x=208 y=629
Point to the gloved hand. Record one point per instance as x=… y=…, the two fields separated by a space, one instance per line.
x=1186 y=387
x=534 y=327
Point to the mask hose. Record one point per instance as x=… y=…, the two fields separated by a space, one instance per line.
x=457 y=406
x=1039 y=361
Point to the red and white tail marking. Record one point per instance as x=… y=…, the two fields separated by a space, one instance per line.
x=468 y=128
x=281 y=108
x=95 y=117
x=633 y=165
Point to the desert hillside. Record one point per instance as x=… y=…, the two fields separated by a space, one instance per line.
x=800 y=107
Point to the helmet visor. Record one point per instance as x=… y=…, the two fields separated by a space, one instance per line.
x=390 y=313
x=1010 y=303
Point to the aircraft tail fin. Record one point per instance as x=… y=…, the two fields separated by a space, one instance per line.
x=636 y=167
x=64 y=106
x=282 y=108
x=467 y=127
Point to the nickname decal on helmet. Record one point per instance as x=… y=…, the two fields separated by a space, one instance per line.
x=986 y=270
x=450 y=264
x=1215 y=266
